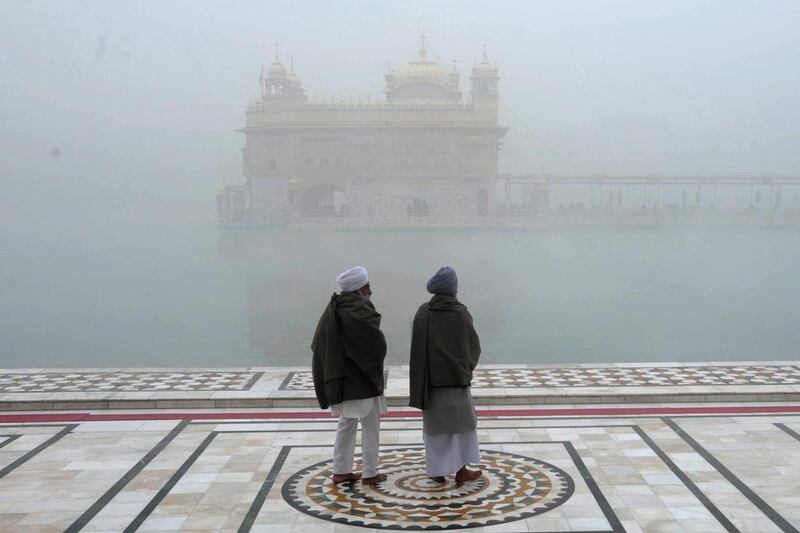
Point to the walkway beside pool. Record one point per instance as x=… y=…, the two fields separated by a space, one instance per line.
x=690 y=467
x=603 y=448
x=292 y=387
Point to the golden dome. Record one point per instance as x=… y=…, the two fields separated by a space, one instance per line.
x=422 y=70
x=423 y=80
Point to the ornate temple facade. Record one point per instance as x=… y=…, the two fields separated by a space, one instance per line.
x=422 y=151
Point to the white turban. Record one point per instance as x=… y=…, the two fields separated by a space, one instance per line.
x=353 y=279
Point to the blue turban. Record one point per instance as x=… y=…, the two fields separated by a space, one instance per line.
x=444 y=281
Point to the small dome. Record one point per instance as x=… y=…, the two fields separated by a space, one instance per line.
x=484 y=68
x=277 y=70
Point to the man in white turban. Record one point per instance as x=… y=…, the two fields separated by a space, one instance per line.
x=353 y=279
x=349 y=349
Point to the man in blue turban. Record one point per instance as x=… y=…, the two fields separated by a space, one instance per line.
x=444 y=282
x=444 y=351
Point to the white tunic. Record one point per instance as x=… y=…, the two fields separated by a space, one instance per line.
x=358 y=408
x=446 y=453
x=449 y=431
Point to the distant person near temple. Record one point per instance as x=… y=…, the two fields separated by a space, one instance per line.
x=347 y=365
x=444 y=351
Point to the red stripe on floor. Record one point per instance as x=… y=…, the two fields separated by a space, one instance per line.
x=317 y=415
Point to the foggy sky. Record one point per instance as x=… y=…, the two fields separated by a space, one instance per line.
x=117 y=125
x=141 y=99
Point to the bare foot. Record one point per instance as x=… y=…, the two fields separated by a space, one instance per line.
x=341 y=478
x=438 y=479
x=377 y=478
x=467 y=475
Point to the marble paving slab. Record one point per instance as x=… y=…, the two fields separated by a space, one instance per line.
x=697 y=473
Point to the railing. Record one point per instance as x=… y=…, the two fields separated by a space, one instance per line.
x=387 y=105
x=619 y=218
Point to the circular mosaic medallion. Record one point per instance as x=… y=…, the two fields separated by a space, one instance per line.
x=512 y=487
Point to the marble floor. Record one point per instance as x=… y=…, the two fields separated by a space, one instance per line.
x=688 y=468
x=266 y=387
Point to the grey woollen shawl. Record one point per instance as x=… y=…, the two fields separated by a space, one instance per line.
x=445 y=348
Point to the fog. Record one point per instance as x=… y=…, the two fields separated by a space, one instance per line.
x=118 y=126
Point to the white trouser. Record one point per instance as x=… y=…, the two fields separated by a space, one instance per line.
x=345 y=445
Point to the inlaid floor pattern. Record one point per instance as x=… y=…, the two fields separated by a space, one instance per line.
x=127 y=381
x=701 y=473
x=611 y=376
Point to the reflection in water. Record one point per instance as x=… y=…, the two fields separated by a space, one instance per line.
x=202 y=296
x=538 y=296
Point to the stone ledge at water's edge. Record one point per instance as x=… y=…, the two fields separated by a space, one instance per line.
x=276 y=387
